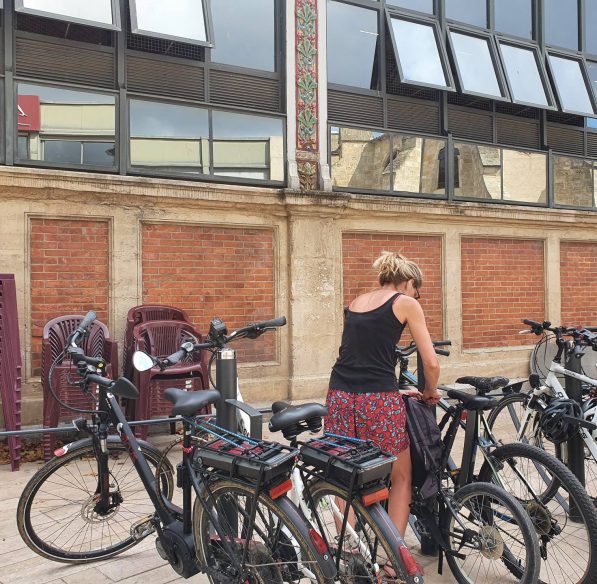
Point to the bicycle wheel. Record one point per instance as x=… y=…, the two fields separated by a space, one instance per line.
x=278 y=550
x=491 y=538
x=568 y=547
x=56 y=514
x=373 y=547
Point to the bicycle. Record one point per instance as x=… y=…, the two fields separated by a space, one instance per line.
x=241 y=527
x=525 y=471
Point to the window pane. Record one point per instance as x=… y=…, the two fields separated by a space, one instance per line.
x=244 y=33
x=561 y=23
x=360 y=159
x=592 y=71
x=352 y=39
x=570 y=85
x=573 y=181
x=164 y=136
x=99 y=11
x=177 y=18
x=591 y=26
x=475 y=65
x=419 y=164
x=523 y=75
x=98 y=153
x=418 y=53
x=63 y=119
x=420 y=5
x=471 y=11
x=525 y=176
x=479 y=171
x=514 y=17
x=244 y=143
x=23 y=147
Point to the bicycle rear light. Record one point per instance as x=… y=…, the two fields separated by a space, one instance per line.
x=280 y=489
x=375 y=497
x=409 y=562
x=318 y=542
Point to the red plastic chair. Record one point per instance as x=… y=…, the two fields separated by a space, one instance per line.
x=96 y=344
x=160 y=339
x=138 y=315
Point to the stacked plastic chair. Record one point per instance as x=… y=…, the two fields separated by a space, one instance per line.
x=10 y=365
x=161 y=338
x=96 y=344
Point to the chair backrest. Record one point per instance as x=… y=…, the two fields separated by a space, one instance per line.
x=162 y=338
x=57 y=331
x=148 y=312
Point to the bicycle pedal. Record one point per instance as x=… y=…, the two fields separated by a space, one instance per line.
x=142 y=528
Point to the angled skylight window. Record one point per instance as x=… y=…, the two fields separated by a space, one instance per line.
x=572 y=85
x=526 y=76
x=179 y=20
x=420 y=54
x=102 y=13
x=477 y=67
x=419 y=5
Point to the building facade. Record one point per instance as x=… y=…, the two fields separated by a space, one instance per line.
x=251 y=158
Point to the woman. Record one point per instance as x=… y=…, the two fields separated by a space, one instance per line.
x=363 y=398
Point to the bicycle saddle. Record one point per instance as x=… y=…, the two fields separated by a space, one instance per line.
x=187 y=403
x=286 y=415
x=484 y=385
x=472 y=402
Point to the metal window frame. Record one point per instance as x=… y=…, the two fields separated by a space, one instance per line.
x=116 y=22
x=534 y=14
x=497 y=64
x=207 y=19
x=579 y=24
x=585 y=76
x=540 y=69
x=441 y=49
x=552 y=157
x=82 y=140
x=488 y=16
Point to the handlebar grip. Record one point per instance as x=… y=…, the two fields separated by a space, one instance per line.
x=176 y=357
x=442 y=343
x=442 y=352
x=532 y=323
x=83 y=326
x=276 y=322
x=95 y=361
x=103 y=381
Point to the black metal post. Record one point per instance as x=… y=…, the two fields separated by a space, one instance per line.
x=576 y=453
x=226 y=384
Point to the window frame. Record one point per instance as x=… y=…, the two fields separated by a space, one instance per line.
x=207 y=19
x=441 y=49
x=535 y=25
x=116 y=22
x=493 y=52
x=476 y=27
x=552 y=156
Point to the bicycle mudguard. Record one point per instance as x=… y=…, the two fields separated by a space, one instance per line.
x=111 y=440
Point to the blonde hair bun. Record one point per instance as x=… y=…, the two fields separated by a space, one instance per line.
x=394 y=268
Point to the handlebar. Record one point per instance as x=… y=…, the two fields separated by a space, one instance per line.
x=82 y=328
x=581 y=336
x=406 y=351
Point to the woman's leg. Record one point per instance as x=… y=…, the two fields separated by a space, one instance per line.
x=400 y=493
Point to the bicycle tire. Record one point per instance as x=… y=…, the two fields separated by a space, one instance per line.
x=61 y=494
x=378 y=531
x=284 y=556
x=494 y=546
x=564 y=540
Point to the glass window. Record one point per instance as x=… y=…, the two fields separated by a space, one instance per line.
x=473 y=12
x=244 y=33
x=182 y=20
x=102 y=13
x=169 y=137
x=248 y=146
x=591 y=26
x=417 y=48
x=561 y=23
x=56 y=125
x=352 y=39
x=475 y=65
x=592 y=71
x=524 y=176
x=420 y=5
x=514 y=17
x=573 y=182
x=570 y=85
x=525 y=75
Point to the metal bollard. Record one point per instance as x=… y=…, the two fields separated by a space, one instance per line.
x=226 y=381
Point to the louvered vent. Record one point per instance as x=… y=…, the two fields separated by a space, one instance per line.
x=470 y=125
x=243 y=90
x=568 y=140
x=591 y=145
x=175 y=79
x=517 y=132
x=413 y=116
x=469 y=101
x=65 y=62
x=350 y=108
x=521 y=111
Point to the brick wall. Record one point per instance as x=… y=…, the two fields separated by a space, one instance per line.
x=578 y=283
x=213 y=271
x=69 y=274
x=502 y=282
x=360 y=250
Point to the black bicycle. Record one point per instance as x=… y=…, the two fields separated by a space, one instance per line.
x=80 y=507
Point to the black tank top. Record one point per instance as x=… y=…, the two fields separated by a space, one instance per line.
x=367 y=361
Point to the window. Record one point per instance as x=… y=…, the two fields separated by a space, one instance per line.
x=514 y=17
x=470 y=11
x=561 y=23
x=571 y=85
x=476 y=65
x=244 y=33
x=180 y=20
x=352 y=38
x=420 y=54
x=420 y=5
x=102 y=13
x=590 y=26
x=77 y=152
x=592 y=71
x=526 y=76
x=573 y=181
